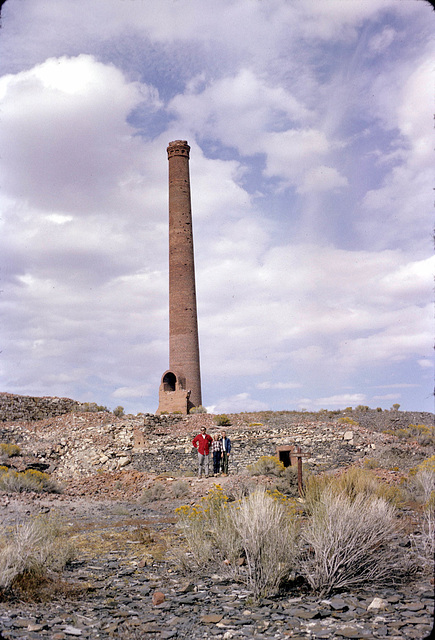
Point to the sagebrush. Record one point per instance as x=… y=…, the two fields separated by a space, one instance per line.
x=351 y=543
x=260 y=527
x=29 y=480
x=32 y=549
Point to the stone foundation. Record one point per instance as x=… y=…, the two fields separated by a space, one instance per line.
x=29 y=408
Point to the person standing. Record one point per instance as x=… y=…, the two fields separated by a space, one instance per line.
x=226 y=450
x=202 y=443
x=216 y=448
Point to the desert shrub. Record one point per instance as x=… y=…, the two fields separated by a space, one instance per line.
x=9 y=450
x=362 y=407
x=207 y=529
x=351 y=543
x=93 y=407
x=379 y=409
x=395 y=407
x=156 y=491
x=266 y=466
x=371 y=463
x=352 y=483
x=119 y=411
x=428 y=464
x=260 y=526
x=180 y=488
x=348 y=421
x=421 y=485
x=239 y=486
x=30 y=480
x=288 y=481
x=32 y=549
x=222 y=420
x=268 y=535
x=421 y=433
x=198 y=409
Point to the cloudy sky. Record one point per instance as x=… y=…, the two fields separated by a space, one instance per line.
x=311 y=171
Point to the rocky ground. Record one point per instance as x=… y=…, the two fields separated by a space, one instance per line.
x=126 y=581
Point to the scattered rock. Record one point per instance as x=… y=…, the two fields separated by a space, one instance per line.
x=158 y=598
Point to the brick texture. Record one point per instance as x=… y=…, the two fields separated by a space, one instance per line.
x=183 y=326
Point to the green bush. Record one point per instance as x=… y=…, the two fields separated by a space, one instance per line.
x=119 y=411
x=222 y=420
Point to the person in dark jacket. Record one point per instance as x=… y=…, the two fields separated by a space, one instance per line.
x=226 y=450
x=216 y=448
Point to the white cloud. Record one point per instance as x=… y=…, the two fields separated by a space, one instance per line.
x=47 y=165
x=322 y=179
x=311 y=180
x=425 y=364
x=388 y=396
x=237 y=403
x=278 y=385
x=382 y=40
x=133 y=392
x=333 y=402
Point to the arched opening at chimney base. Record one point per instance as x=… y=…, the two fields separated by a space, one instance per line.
x=169 y=381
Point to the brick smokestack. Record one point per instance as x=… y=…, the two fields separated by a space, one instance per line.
x=183 y=324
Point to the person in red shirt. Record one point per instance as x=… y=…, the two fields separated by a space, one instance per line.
x=202 y=443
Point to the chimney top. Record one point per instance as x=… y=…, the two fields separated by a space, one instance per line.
x=178 y=148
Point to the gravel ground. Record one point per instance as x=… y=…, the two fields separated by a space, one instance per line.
x=121 y=565
x=111 y=589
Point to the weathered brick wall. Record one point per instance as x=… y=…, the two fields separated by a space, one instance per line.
x=13 y=407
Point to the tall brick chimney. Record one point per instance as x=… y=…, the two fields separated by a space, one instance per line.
x=180 y=387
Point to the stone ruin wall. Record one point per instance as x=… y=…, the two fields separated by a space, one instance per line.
x=29 y=408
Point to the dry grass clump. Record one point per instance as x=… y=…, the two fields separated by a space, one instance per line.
x=180 y=489
x=9 y=450
x=156 y=491
x=30 y=480
x=348 y=421
x=259 y=528
x=421 y=488
x=31 y=552
x=423 y=434
x=239 y=486
x=349 y=536
x=285 y=478
x=268 y=536
x=352 y=483
x=266 y=466
x=352 y=542
x=203 y=525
